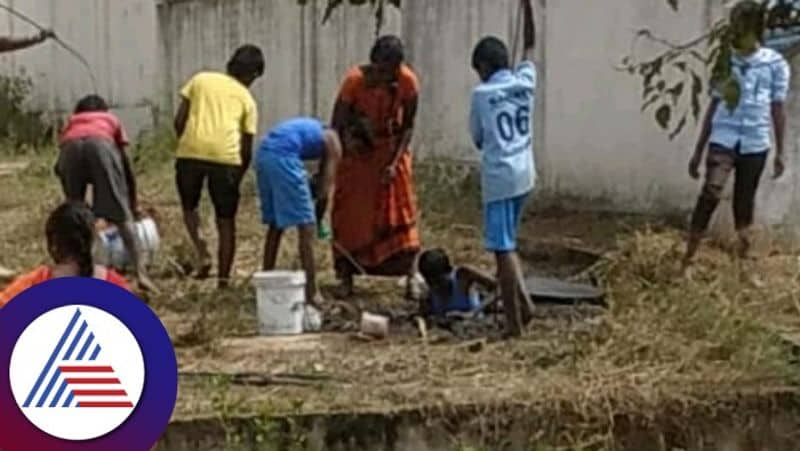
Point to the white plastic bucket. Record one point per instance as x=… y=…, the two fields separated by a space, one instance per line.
x=280 y=298
x=110 y=250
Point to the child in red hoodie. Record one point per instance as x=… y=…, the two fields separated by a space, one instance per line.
x=93 y=153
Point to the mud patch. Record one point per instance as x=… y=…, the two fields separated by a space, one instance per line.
x=539 y=259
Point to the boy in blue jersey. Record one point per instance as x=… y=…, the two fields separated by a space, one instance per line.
x=739 y=139
x=500 y=123
x=283 y=185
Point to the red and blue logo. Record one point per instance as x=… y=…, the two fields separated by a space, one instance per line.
x=90 y=367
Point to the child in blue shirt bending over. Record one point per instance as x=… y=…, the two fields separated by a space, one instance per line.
x=283 y=184
x=502 y=108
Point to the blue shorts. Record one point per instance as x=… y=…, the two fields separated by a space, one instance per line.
x=501 y=221
x=284 y=192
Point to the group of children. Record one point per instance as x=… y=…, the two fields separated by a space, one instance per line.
x=216 y=124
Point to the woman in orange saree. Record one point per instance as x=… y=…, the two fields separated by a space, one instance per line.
x=374 y=207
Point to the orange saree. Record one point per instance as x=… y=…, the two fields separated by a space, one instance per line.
x=376 y=222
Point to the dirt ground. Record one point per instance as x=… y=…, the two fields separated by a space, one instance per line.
x=661 y=337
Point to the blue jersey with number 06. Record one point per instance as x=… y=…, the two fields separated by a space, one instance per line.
x=501 y=122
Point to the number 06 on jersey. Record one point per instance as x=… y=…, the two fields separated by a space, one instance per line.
x=501 y=126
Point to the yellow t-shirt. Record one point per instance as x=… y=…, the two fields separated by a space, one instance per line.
x=221 y=109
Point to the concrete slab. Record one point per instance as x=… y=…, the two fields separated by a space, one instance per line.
x=548 y=288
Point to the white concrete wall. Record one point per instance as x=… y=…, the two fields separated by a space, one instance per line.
x=306 y=61
x=594 y=147
x=593 y=143
x=117 y=37
x=600 y=147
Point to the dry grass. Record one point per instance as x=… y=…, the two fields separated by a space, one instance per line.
x=664 y=338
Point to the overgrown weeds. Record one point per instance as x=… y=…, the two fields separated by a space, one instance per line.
x=664 y=340
x=22 y=130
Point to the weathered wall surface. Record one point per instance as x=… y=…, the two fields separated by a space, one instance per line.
x=593 y=145
x=119 y=40
x=306 y=62
x=592 y=140
x=599 y=144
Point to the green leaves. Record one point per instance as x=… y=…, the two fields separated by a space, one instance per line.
x=678 y=128
x=675 y=92
x=667 y=81
x=731 y=93
x=332 y=5
x=379 y=7
x=675 y=81
x=663 y=115
x=673 y=4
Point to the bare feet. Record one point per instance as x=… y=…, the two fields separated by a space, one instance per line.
x=203 y=271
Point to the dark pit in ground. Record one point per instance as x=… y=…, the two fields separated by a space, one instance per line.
x=555 y=260
x=549 y=260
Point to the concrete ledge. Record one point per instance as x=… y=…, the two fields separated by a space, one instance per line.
x=755 y=422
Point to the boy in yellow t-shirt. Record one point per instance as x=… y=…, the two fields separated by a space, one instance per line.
x=216 y=123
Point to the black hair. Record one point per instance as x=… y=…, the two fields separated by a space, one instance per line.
x=247 y=61
x=92 y=102
x=751 y=15
x=434 y=263
x=70 y=235
x=360 y=127
x=492 y=53
x=387 y=49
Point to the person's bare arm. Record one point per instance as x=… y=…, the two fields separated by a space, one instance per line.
x=702 y=140
x=130 y=179
x=182 y=116
x=246 y=152
x=529 y=30
x=779 y=124
x=9 y=44
x=342 y=111
x=407 y=132
x=327 y=170
x=470 y=276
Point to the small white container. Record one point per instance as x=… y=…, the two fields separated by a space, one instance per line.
x=376 y=326
x=110 y=250
x=280 y=298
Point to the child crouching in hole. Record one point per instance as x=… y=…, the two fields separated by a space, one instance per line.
x=451 y=290
x=454 y=291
